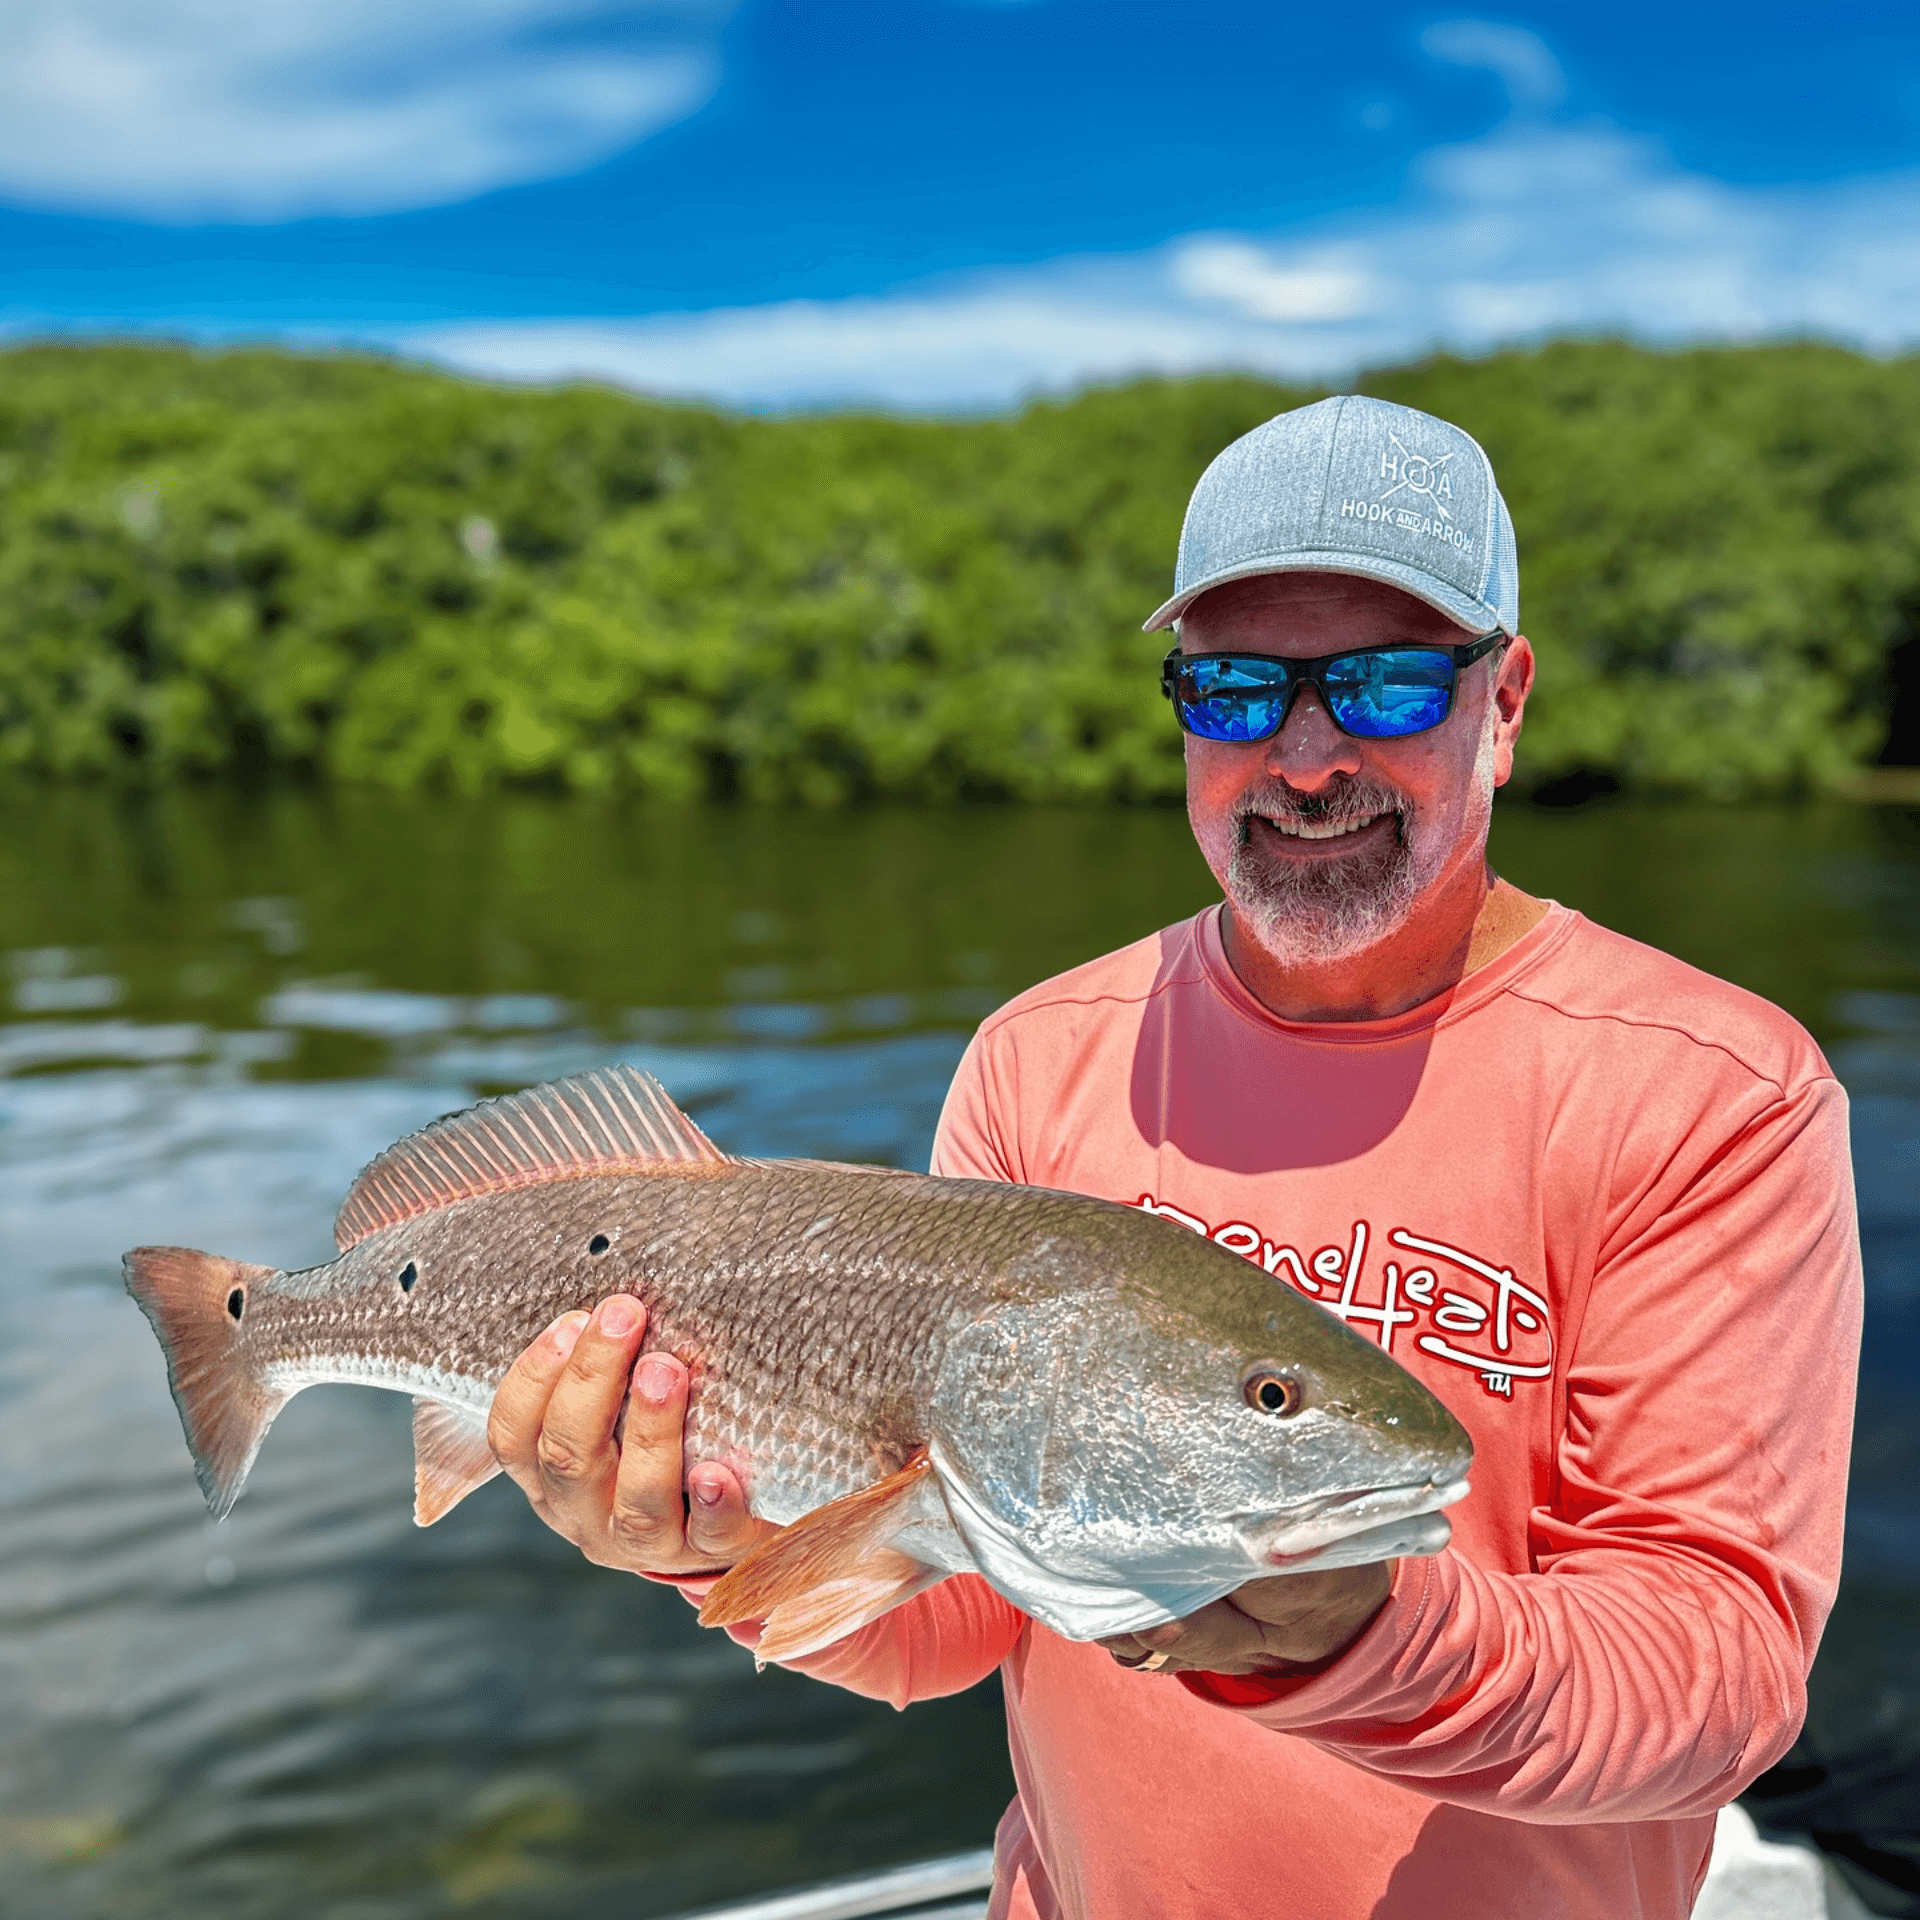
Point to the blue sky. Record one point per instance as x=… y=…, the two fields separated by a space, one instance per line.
x=949 y=203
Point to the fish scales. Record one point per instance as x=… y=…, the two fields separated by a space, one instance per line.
x=812 y=1305
x=1112 y=1418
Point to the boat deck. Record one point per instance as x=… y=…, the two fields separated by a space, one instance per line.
x=1751 y=1878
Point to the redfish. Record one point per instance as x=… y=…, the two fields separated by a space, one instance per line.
x=1111 y=1418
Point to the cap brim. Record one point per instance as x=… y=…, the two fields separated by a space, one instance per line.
x=1461 y=608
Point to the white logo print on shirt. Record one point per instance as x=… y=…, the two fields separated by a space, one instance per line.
x=1470 y=1307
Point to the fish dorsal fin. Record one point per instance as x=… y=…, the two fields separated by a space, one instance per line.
x=613 y=1120
x=831 y=1572
x=450 y=1458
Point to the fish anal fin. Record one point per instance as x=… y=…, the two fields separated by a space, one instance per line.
x=816 y=1619
x=450 y=1458
x=831 y=1572
x=613 y=1120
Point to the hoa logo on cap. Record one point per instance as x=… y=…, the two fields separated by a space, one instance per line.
x=1428 y=481
x=1416 y=473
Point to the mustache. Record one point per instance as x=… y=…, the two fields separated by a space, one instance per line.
x=1343 y=802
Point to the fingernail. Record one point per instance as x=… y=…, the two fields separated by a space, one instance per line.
x=566 y=1333
x=656 y=1379
x=618 y=1317
x=708 y=1492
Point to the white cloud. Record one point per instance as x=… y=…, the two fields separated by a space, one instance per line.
x=274 y=109
x=978 y=346
x=1234 y=273
x=1523 y=61
x=1534 y=229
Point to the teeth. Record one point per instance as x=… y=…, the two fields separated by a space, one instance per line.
x=1319 y=830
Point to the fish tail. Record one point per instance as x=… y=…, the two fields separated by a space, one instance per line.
x=198 y=1304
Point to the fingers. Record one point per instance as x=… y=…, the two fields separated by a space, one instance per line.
x=719 y=1527
x=1289 y=1623
x=1283 y=1598
x=576 y=1454
x=520 y=1404
x=1312 y=1617
x=552 y=1421
x=648 y=1514
x=1215 y=1639
x=659 y=1530
x=619 y=1500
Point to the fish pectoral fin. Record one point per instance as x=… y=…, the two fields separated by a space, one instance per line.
x=450 y=1458
x=831 y=1572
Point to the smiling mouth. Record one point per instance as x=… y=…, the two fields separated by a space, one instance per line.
x=1297 y=828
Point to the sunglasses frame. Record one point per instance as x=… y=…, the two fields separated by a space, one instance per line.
x=1312 y=673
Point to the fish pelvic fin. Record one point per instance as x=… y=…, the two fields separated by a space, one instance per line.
x=831 y=1572
x=613 y=1120
x=450 y=1458
x=197 y=1303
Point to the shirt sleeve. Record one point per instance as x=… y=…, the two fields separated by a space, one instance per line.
x=971 y=1142
x=1685 y=1556
x=947 y=1640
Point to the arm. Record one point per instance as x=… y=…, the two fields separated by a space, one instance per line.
x=1687 y=1551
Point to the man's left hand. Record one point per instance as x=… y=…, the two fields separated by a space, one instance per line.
x=1292 y=1622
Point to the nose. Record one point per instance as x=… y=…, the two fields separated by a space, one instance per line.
x=1309 y=749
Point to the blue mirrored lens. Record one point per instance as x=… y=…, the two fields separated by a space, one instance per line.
x=1233 y=699
x=1382 y=695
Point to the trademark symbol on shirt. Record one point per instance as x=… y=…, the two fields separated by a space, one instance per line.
x=1417 y=474
x=1496 y=1382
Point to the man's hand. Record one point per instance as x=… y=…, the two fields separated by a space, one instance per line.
x=1292 y=1622
x=618 y=1499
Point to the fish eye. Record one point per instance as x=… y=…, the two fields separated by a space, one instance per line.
x=599 y=1243
x=1269 y=1392
x=236 y=1303
x=408 y=1275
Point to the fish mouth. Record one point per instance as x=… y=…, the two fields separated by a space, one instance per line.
x=1310 y=1530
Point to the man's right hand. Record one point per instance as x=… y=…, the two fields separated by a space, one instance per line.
x=618 y=1499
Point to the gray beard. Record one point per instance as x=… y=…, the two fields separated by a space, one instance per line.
x=1303 y=914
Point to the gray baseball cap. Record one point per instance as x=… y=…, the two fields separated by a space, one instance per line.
x=1355 y=485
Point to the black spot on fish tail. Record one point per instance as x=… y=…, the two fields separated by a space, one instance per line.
x=599 y=1243
x=408 y=1275
x=226 y=1401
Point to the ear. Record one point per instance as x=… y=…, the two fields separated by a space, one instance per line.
x=1510 y=689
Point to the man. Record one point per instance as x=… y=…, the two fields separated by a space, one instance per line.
x=1598 y=1202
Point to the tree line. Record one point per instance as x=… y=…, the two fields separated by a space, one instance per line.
x=360 y=571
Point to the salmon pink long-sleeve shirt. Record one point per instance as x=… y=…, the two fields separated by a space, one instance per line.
x=1601 y=1204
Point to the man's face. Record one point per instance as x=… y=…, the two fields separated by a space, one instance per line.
x=1325 y=844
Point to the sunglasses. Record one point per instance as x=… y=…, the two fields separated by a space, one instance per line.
x=1374 y=693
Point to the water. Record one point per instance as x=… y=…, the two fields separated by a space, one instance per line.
x=217 y=1007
